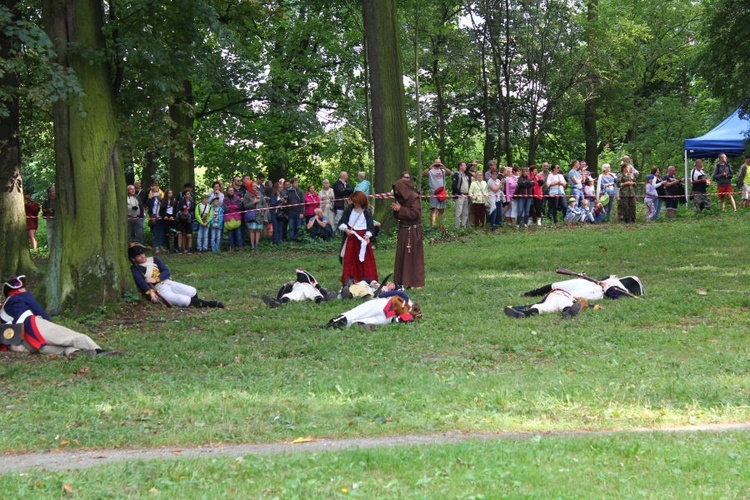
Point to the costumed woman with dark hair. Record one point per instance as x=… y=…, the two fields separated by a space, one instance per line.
x=408 y=269
x=357 y=227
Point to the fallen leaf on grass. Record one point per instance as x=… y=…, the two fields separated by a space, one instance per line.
x=597 y=307
x=177 y=452
x=700 y=291
x=83 y=371
x=68 y=489
x=307 y=439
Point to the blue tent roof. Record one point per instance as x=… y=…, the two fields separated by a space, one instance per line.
x=729 y=137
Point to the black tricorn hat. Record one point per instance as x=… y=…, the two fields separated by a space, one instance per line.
x=305 y=277
x=14 y=283
x=135 y=249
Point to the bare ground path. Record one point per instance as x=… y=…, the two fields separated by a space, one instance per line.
x=79 y=459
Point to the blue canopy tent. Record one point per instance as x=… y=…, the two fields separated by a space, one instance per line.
x=729 y=137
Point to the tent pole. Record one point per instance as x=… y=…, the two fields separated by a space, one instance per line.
x=687 y=195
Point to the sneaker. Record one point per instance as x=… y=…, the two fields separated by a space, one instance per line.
x=270 y=301
x=330 y=295
x=571 y=311
x=513 y=312
x=539 y=223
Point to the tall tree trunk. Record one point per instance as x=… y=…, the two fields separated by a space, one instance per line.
x=15 y=257
x=181 y=151
x=88 y=266
x=591 y=132
x=488 y=151
x=388 y=108
x=590 y=115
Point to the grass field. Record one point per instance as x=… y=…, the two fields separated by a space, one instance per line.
x=249 y=373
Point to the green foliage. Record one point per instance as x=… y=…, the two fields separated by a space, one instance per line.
x=725 y=33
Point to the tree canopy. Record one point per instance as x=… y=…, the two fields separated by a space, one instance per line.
x=224 y=87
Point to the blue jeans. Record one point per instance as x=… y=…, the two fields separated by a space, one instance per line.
x=558 y=203
x=657 y=206
x=578 y=194
x=524 y=208
x=295 y=222
x=215 y=236
x=159 y=229
x=235 y=237
x=202 y=244
x=496 y=217
x=278 y=228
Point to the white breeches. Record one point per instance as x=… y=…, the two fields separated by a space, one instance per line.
x=555 y=301
x=177 y=294
x=580 y=287
x=303 y=291
x=369 y=313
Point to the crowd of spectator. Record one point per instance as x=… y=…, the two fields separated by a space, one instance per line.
x=522 y=197
x=238 y=215
x=247 y=210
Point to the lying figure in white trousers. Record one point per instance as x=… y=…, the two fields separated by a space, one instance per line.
x=556 y=300
x=389 y=307
x=305 y=287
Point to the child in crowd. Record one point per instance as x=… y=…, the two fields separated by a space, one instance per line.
x=216 y=224
x=185 y=223
x=651 y=195
x=573 y=214
x=600 y=213
x=589 y=190
x=202 y=218
x=587 y=213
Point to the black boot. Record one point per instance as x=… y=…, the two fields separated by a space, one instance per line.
x=515 y=313
x=345 y=293
x=270 y=301
x=538 y=292
x=195 y=301
x=337 y=322
x=571 y=311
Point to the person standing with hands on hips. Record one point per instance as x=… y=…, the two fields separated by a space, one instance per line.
x=408 y=269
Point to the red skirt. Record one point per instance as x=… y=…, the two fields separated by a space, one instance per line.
x=365 y=270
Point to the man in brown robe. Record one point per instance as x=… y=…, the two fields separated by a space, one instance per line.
x=407 y=209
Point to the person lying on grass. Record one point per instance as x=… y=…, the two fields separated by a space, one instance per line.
x=609 y=286
x=305 y=287
x=154 y=279
x=30 y=329
x=367 y=289
x=389 y=307
x=557 y=300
